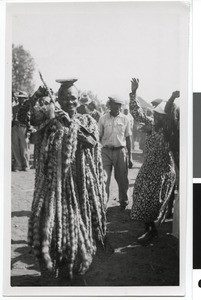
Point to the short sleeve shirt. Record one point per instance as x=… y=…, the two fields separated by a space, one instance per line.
x=114 y=130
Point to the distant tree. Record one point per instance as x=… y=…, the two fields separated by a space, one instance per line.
x=23 y=67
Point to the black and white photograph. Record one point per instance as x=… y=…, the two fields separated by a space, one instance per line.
x=96 y=117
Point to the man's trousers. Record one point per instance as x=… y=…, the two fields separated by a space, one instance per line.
x=20 y=149
x=117 y=158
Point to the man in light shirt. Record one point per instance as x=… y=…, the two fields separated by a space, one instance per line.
x=115 y=137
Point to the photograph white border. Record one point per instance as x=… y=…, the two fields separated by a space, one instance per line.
x=196 y=89
x=185 y=209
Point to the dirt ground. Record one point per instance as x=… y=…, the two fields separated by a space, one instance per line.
x=123 y=263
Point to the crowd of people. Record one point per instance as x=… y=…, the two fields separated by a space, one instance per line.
x=76 y=148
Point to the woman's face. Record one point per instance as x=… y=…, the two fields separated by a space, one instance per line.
x=159 y=119
x=68 y=99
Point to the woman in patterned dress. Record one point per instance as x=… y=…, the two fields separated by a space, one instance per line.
x=156 y=178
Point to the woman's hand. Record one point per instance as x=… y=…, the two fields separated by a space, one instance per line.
x=134 y=85
x=176 y=94
x=41 y=92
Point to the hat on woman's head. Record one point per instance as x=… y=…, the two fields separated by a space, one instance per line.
x=160 y=109
x=65 y=85
x=156 y=102
x=67 y=82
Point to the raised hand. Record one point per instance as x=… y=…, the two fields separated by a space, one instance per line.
x=134 y=84
x=176 y=94
x=41 y=92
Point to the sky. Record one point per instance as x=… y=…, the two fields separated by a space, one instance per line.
x=104 y=45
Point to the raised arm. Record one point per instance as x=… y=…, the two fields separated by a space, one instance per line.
x=41 y=92
x=172 y=125
x=31 y=101
x=172 y=116
x=170 y=103
x=135 y=108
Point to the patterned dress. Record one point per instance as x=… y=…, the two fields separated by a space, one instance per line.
x=156 y=178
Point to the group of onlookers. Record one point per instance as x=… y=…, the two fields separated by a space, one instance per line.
x=21 y=128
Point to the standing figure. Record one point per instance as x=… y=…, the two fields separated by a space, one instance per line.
x=84 y=100
x=131 y=119
x=93 y=110
x=68 y=210
x=156 y=178
x=20 y=129
x=172 y=128
x=115 y=135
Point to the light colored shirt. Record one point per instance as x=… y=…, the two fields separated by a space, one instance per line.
x=114 y=130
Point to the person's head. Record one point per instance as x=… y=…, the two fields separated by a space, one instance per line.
x=156 y=102
x=42 y=110
x=126 y=110
x=68 y=96
x=84 y=98
x=115 y=105
x=22 y=97
x=92 y=105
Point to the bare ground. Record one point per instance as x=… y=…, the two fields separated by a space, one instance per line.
x=123 y=263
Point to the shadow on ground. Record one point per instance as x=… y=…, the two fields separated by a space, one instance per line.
x=25 y=280
x=123 y=262
x=17 y=242
x=22 y=213
x=131 y=264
